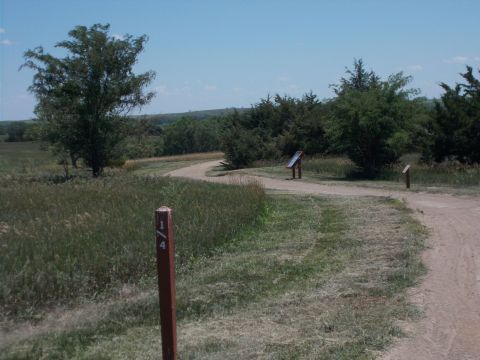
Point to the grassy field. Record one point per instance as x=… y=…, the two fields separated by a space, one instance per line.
x=76 y=239
x=22 y=158
x=320 y=277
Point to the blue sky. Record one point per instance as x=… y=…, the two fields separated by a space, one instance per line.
x=214 y=54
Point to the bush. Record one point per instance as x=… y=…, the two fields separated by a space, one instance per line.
x=274 y=128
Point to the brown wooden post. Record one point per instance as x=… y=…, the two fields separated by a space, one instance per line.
x=293 y=171
x=166 y=281
x=406 y=171
x=300 y=168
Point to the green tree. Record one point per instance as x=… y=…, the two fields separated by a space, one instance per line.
x=455 y=130
x=371 y=118
x=84 y=98
x=188 y=135
x=16 y=131
x=242 y=146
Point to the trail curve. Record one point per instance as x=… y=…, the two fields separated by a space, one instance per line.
x=449 y=293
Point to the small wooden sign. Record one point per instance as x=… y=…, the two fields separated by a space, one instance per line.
x=166 y=281
x=406 y=169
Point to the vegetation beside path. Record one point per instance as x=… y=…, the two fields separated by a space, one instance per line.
x=319 y=277
x=450 y=178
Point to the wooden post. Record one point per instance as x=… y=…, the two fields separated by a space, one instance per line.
x=300 y=168
x=166 y=281
x=406 y=171
x=293 y=171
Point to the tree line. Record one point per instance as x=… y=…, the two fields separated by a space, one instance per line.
x=84 y=101
x=371 y=120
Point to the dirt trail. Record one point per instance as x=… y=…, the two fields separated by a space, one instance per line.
x=449 y=293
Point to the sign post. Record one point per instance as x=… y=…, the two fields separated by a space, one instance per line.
x=166 y=281
x=296 y=161
x=406 y=171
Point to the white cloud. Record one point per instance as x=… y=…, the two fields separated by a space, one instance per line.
x=457 y=60
x=6 y=42
x=118 y=37
x=2 y=30
x=164 y=90
x=210 y=87
x=416 y=67
x=283 y=78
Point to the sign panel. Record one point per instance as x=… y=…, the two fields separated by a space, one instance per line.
x=294 y=159
x=406 y=169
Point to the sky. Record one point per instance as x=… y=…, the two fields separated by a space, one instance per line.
x=211 y=54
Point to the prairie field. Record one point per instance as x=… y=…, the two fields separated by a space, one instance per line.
x=62 y=241
x=24 y=158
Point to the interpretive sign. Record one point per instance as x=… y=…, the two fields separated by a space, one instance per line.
x=406 y=171
x=296 y=161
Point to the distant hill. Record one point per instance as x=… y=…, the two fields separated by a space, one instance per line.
x=165 y=119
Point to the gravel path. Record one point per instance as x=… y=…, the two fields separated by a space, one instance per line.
x=449 y=293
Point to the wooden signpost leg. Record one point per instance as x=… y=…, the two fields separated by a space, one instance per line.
x=407 y=178
x=166 y=281
x=300 y=169
x=293 y=172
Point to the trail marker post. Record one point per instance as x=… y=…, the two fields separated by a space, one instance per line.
x=296 y=161
x=166 y=281
x=406 y=171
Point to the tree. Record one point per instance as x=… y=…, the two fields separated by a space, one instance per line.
x=188 y=135
x=242 y=146
x=455 y=129
x=84 y=98
x=16 y=131
x=371 y=118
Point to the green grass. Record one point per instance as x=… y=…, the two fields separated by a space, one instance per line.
x=60 y=242
x=438 y=175
x=319 y=277
x=24 y=158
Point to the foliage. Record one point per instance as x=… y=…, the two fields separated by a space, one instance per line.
x=274 y=128
x=240 y=145
x=454 y=132
x=15 y=131
x=84 y=97
x=143 y=140
x=371 y=118
x=188 y=135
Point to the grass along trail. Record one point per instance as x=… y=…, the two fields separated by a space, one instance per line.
x=450 y=292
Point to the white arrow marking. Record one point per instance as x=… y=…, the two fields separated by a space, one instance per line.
x=161 y=234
